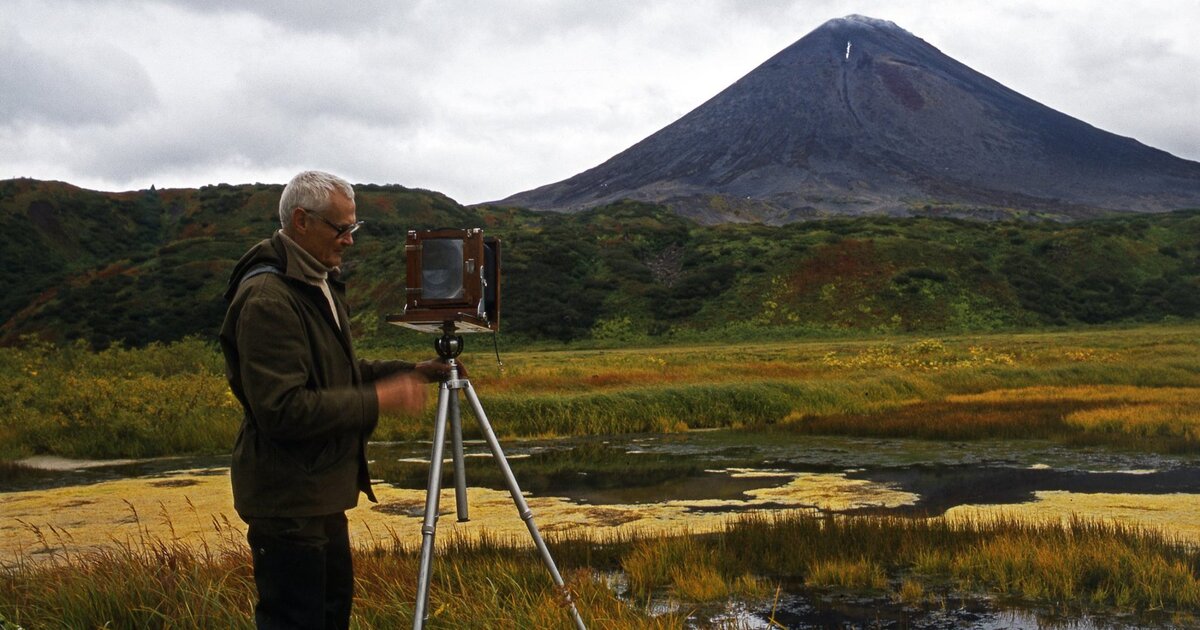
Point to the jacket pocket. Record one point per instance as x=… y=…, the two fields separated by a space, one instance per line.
x=330 y=453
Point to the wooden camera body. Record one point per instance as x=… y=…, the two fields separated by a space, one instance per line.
x=452 y=276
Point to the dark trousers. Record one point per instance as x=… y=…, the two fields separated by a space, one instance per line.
x=303 y=572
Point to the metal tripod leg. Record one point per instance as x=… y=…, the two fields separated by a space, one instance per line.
x=519 y=499
x=448 y=409
x=432 y=493
x=460 y=469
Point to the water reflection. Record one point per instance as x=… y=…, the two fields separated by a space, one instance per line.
x=725 y=470
x=733 y=471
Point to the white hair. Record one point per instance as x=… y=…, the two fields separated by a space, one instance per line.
x=311 y=190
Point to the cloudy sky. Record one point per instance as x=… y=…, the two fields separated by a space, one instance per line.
x=481 y=99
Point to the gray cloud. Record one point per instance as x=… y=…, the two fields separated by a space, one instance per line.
x=364 y=93
x=89 y=85
x=296 y=15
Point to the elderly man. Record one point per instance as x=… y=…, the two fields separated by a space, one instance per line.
x=300 y=457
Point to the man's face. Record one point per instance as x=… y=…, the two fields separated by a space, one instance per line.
x=320 y=237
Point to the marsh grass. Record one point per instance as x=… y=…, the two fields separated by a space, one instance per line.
x=856 y=575
x=1082 y=565
x=158 y=400
x=692 y=570
x=944 y=420
x=911 y=592
x=1093 y=569
x=911 y=387
x=149 y=582
x=144 y=582
x=1149 y=418
x=1135 y=388
x=1085 y=564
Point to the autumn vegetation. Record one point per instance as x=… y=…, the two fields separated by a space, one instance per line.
x=627 y=319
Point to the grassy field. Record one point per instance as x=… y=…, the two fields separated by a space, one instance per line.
x=1130 y=387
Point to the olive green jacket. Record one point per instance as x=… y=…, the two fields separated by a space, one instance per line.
x=308 y=401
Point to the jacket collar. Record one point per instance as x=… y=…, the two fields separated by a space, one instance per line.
x=274 y=252
x=301 y=265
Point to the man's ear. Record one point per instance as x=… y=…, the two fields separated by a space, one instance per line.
x=297 y=223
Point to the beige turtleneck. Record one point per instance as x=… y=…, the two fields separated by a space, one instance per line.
x=314 y=272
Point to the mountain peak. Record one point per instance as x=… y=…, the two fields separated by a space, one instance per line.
x=855 y=20
x=862 y=117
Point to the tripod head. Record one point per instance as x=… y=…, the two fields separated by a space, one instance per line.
x=449 y=345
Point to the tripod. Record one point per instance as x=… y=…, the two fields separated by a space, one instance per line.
x=448 y=347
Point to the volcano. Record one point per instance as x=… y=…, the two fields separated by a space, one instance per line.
x=862 y=117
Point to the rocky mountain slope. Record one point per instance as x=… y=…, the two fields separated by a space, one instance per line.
x=862 y=117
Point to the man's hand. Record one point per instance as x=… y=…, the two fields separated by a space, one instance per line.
x=436 y=370
x=403 y=392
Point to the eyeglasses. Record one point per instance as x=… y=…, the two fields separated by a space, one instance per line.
x=340 y=230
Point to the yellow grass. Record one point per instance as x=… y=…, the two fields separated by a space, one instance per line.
x=911 y=591
x=1134 y=411
x=1047 y=570
x=861 y=574
x=699 y=583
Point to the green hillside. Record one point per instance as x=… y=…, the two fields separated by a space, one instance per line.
x=139 y=267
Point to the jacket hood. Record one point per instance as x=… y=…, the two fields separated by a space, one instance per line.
x=272 y=251
x=267 y=252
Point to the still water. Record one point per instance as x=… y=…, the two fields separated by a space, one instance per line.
x=730 y=471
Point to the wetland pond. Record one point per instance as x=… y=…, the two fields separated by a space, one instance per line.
x=656 y=483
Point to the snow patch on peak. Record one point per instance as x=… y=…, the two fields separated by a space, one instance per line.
x=863 y=20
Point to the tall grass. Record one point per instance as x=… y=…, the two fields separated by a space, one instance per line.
x=858 y=575
x=693 y=570
x=1153 y=418
x=914 y=387
x=1083 y=565
x=158 y=400
x=1089 y=565
x=143 y=583
x=174 y=400
x=149 y=583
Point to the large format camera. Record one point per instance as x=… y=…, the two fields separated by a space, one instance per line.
x=453 y=286
x=452 y=279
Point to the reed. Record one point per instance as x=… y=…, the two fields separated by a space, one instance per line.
x=1081 y=564
x=689 y=569
x=856 y=575
x=912 y=592
x=145 y=583
x=173 y=399
x=151 y=583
